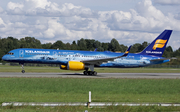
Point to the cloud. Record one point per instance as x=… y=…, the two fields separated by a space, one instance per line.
x=1 y=23
x=1 y=10
x=55 y=29
x=49 y=22
x=177 y=16
x=47 y=8
x=32 y=4
x=12 y=6
x=168 y=2
x=145 y=17
x=15 y=8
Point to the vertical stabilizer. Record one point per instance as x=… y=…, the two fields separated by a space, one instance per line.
x=157 y=47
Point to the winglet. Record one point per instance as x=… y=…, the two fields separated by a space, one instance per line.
x=95 y=49
x=127 y=51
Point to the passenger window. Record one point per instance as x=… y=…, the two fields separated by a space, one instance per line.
x=11 y=53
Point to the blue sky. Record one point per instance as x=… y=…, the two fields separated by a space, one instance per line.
x=129 y=21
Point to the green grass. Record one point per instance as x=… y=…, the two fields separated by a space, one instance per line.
x=99 y=70
x=76 y=90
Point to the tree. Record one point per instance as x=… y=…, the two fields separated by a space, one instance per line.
x=47 y=46
x=105 y=46
x=68 y=46
x=97 y=44
x=30 y=42
x=100 y=49
x=58 y=44
x=142 y=46
x=82 y=44
x=136 y=48
x=123 y=48
x=168 y=52
x=176 y=53
x=90 y=44
x=114 y=45
x=74 y=46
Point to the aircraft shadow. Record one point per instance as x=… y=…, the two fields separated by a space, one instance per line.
x=80 y=74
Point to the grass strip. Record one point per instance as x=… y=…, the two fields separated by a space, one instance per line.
x=76 y=90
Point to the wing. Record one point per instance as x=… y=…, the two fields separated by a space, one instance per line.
x=100 y=61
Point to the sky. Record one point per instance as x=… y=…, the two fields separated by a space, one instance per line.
x=128 y=21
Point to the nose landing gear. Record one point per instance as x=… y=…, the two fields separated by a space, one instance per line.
x=23 y=71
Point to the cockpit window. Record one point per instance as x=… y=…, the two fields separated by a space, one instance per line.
x=11 y=53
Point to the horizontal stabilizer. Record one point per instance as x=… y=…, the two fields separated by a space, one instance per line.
x=163 y=59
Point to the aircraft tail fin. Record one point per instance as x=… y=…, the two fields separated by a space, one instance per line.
x=157 y=47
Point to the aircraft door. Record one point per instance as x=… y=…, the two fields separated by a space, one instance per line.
x=55 y=55
x=21 y=53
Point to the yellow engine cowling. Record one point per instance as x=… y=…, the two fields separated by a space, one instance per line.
x=73 y=65
x=63 y=67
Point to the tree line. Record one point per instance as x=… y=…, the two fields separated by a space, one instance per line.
x=10 y=43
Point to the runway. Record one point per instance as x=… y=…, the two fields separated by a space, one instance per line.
x=100 y=75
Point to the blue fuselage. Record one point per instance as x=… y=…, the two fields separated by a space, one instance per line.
x=62 y=57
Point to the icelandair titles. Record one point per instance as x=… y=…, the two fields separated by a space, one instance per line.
x=29 y=51
x=153 y=52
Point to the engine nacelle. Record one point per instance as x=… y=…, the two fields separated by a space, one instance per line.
x=73 y=65
x=63 y=67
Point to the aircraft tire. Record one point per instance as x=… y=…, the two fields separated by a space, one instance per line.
x=95 y=73
x=23 y=71
x=85 y=73
x=90 y=72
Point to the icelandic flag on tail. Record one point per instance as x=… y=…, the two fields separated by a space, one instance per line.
x=157 y=47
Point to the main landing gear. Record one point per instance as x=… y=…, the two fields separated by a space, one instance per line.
x=23 y=71
x=92 y=72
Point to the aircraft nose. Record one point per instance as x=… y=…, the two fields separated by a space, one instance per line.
x=4 y=58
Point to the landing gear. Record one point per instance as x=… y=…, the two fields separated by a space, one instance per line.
x=23 y=71
x=94 y=73
x=85 y=72
x=90 y=73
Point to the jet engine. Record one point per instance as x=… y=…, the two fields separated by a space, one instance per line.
x=73 y=65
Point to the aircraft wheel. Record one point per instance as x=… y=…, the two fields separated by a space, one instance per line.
x=90 y=73
x=23 y=71
x=95 y=73
x=85 y=73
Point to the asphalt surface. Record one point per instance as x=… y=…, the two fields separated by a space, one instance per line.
x=100 y=75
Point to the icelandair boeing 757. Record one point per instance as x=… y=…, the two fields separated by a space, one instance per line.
x=84 y=60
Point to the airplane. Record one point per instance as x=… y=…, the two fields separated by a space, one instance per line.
x=84 y=60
